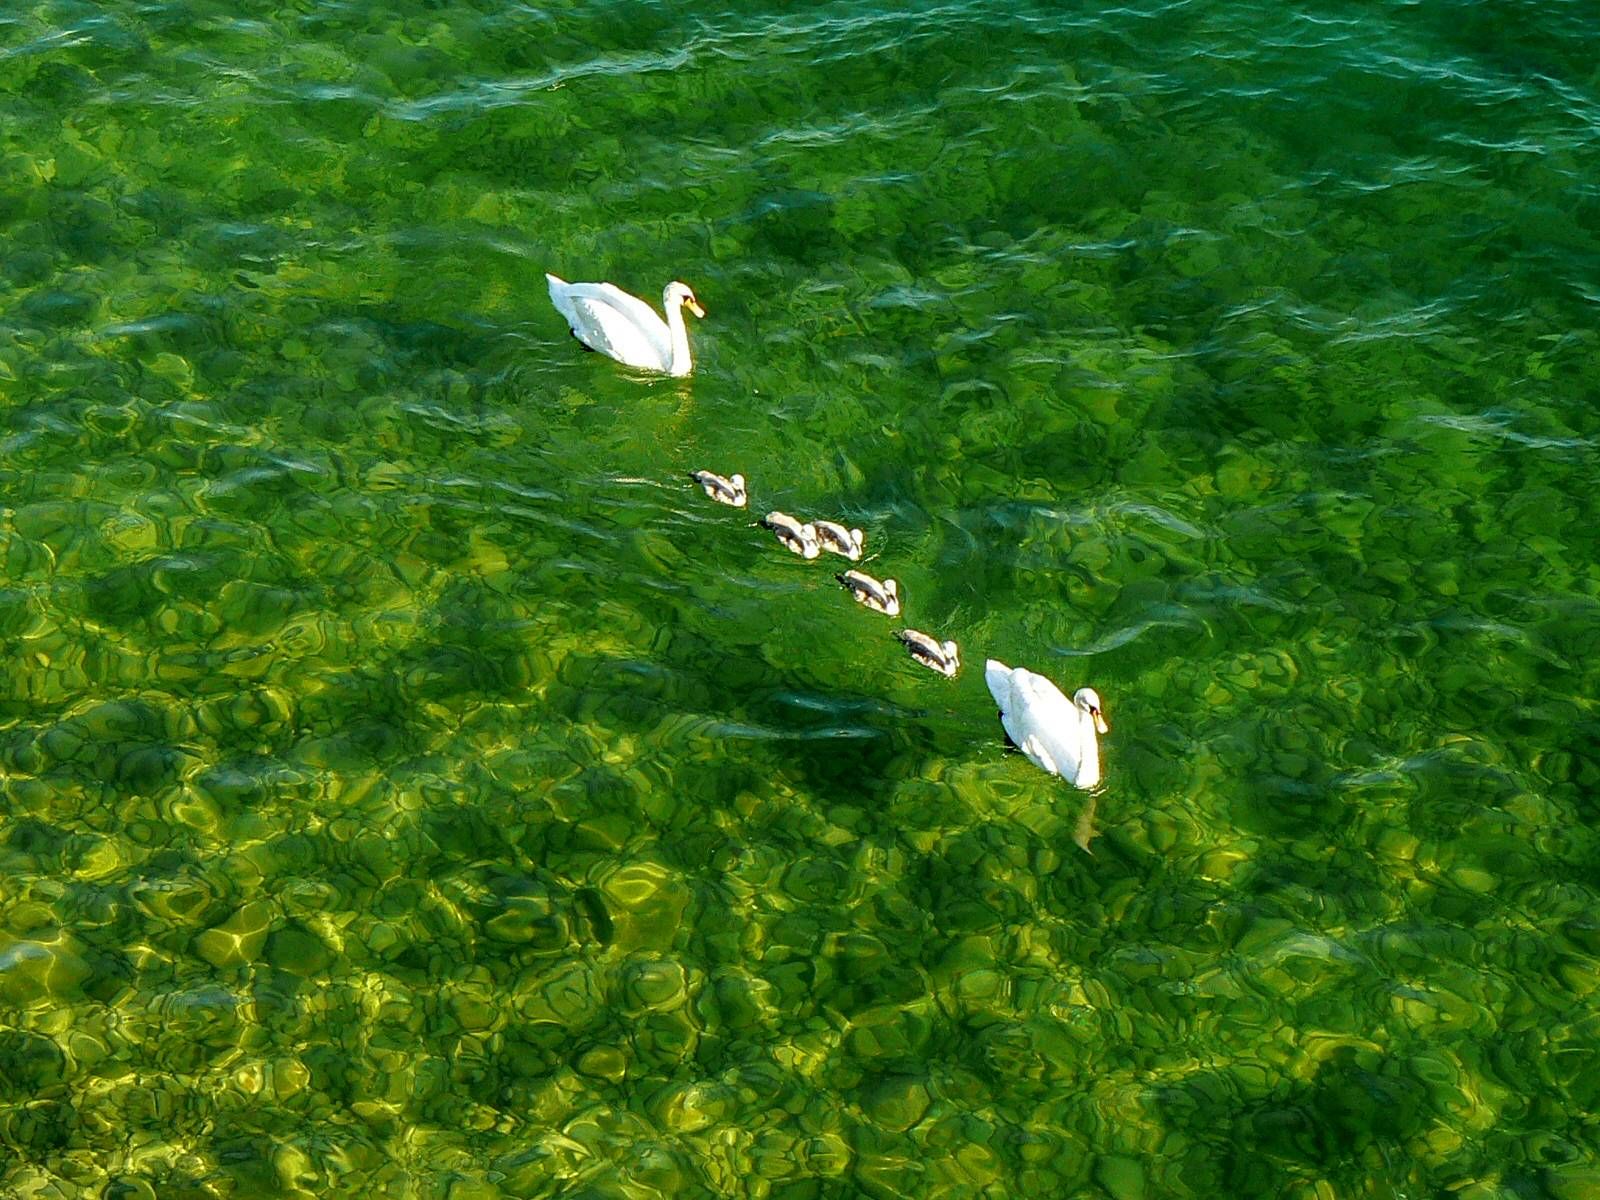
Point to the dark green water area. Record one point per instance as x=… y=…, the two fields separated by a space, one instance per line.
x=412 y=786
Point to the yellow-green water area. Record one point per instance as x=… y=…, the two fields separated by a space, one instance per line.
x=412 y=785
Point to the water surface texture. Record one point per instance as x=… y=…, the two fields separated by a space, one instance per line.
x=414 y=786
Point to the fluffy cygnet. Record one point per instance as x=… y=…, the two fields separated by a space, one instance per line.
x=722 y=489
x=797 y=537
x=880 y=596
x=835 y=537
x=943 y=657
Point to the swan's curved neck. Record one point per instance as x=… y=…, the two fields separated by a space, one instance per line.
x=1089 y=750
x=681 y=362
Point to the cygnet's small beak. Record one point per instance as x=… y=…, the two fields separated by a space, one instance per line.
x=693 y=306
x=1100 y=722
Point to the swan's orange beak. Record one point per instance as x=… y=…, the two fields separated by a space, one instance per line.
x=693 y=306
x=1100 y=722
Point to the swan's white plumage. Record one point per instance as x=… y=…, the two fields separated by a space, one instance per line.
x=1054 y=732
x=605 y=318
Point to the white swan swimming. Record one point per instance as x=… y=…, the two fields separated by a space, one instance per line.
x=1055 y=733
x=605 y=318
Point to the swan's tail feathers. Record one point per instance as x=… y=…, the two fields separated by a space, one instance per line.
x=563 y=305
x=998 y=676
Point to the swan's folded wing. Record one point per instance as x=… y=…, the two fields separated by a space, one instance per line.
x=609 y=320
x=1041 y=752
x=1047 y=706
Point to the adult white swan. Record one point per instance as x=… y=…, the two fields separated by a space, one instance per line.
x=605 y=318
x=1056 y=733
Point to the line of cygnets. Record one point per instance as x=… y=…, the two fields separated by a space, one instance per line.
x=809 y=539
x=1056 y=734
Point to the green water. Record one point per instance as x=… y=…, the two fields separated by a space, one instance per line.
x=413 y=786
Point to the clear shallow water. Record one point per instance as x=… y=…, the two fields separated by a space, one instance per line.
x=413 y=786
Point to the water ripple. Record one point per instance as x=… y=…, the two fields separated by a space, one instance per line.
x=396 y=748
